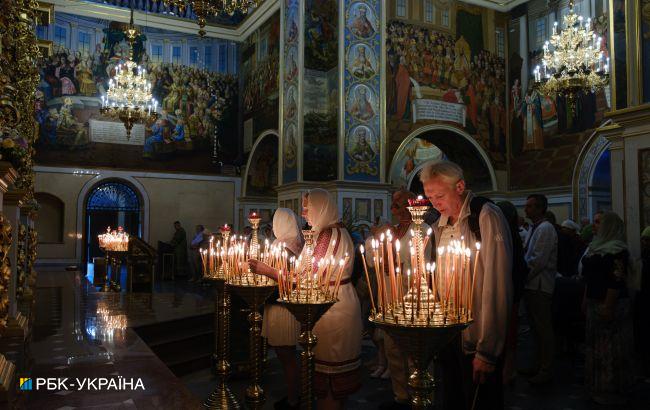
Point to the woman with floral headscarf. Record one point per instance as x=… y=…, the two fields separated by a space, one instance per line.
x=605 y=268
x=338 y=350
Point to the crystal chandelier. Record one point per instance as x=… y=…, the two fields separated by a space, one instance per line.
x=129 y=97
x=572 y=60
x=206 y=8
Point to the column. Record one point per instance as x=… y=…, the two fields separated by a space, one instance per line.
x=362 y=74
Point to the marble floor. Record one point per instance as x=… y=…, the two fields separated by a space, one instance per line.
x=77 y=334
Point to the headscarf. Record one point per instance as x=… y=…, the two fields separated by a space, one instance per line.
x=321 y=209
x=569 y=224
x=610 y=238
x=286 y=229
x=646 y=232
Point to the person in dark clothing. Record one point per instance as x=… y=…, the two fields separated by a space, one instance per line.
x=642 y=306
x=519 y=274
x=179 y=243
x=609 y=334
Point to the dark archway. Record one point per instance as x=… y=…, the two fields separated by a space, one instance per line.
x=110 y=203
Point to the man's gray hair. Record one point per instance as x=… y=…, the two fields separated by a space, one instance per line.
x=447 y=170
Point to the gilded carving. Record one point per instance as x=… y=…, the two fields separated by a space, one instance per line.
x=5 y=269
x=20 y=262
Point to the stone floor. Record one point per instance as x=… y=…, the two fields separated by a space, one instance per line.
x=72 y=339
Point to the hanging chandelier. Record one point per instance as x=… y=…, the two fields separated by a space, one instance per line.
x=129 y=97
x=572 y=60
x=206 y=8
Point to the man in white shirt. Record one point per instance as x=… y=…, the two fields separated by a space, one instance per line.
x=483 y=341
x=541 y=257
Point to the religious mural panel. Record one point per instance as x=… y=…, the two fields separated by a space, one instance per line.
x=438 y=76
x=548 y=133
x=620 y=53
x=259 y=73
x=290 y=78
x=263 y=169
x=362 y=90
x=645 y=48
x=197 y=106
x=320 y=90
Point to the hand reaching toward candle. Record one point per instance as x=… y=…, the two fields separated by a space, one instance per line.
x=262 y=268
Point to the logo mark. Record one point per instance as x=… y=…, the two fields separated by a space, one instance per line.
x=25 y=383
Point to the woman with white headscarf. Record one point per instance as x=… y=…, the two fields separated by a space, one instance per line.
x=338 y=362
x=338 y=350
x=280 y=327
x=607 y=270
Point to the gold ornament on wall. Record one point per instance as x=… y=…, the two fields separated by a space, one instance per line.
x=20 y=262
x=5 y=269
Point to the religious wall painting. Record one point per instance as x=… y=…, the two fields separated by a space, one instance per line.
x=320 y=98
x=262 y=175
x=620 y=53
x=45 y=47
x=290 y=105
x=291 y=17
x=362 y=209
x=362 y=148
x=347 y=211
x=378 y=208
x=547 y=130
x=437 y=77
x=362 y=90
x=290 y=148
x=410 y=157
x=197 y=105
x=644 y=15
x=362 y=61
x=291 y=64
x=362 y=102
x=321 y=34
x=362 y=20
x=644 y=187
x=260 y=75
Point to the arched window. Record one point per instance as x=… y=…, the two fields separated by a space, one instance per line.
x=113 y=196
x=49 y=223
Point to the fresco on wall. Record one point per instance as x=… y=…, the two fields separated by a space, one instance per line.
x=197 y=105
x=547 y=133
x=645 y=44
x=434 y=145
x=436 y=77
x=290 y=78
x=262 y=175
x=363 y=90
x=259 y=72
x=320 y=90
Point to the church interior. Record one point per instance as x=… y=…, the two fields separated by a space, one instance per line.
x=331 y=204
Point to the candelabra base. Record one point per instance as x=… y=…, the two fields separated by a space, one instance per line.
x=221 y=397
x=254 y=296
x=421 y=344
x=307 y=314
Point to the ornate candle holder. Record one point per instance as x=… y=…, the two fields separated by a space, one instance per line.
x=116 y=245
x=308 y=297
x=254 y=295
x=307 y=311
x=433 y=309
x=221 y=397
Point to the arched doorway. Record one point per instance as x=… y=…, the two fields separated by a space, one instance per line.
x=110 y=203
x=441 y=142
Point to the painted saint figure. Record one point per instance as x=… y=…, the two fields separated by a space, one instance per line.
x=362 y=67
x=361 y=26
x=362 y=151
x=361 y=107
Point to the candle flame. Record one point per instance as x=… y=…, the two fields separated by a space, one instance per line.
x=361 y=249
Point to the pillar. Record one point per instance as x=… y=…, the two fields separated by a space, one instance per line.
x=12 y=200
x=332 y=105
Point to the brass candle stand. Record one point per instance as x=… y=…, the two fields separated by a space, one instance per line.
x=255 y=296
x=424 y=310
x=254 y=290
x=221 y=397
x=307 y=312
x=114 y=261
